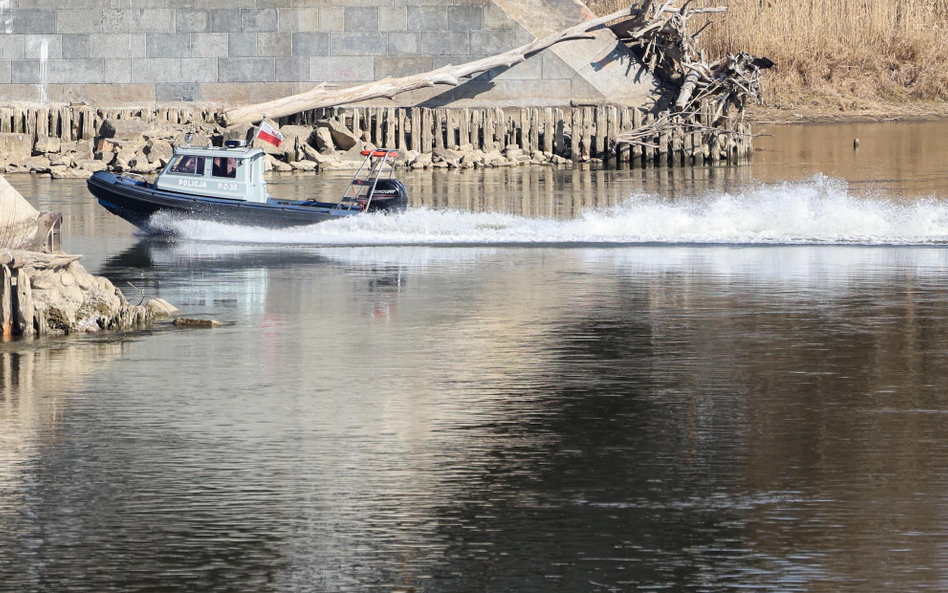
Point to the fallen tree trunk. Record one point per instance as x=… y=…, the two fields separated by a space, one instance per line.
x=321 y=96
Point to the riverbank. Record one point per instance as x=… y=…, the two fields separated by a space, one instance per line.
x=821 y=113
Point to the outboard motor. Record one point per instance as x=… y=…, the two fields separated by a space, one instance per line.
x=390 y=195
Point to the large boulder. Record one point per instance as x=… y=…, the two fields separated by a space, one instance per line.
x=46 y=144
x=124 y=129
x=16 y=145
x=322 y=138
x=158 y=151
x=444 y=155
x=342 y=137
x=68 y=300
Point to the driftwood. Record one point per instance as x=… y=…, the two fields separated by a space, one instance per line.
x=17 y=258
x=670 y=50
x=321 y=96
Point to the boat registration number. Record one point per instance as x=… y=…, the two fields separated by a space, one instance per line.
x=227 y=186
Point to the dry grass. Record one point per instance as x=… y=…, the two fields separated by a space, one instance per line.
x=845 y=55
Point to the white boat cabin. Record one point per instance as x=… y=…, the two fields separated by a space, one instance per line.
x=229 y=173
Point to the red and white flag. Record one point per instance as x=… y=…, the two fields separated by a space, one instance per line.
x=268 y=134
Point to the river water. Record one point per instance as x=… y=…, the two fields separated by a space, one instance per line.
x=535 y=380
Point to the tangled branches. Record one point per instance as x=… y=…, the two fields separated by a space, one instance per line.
x=660 y=35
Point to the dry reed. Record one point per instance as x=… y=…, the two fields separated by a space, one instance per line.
x=837 y=54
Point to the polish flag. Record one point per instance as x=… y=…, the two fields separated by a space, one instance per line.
x=268 y=134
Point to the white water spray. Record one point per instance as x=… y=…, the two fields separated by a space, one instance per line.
x=818 y=211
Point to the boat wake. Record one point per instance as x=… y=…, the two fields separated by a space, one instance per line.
x=817 y=211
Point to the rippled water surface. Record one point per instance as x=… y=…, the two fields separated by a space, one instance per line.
x=534 y=380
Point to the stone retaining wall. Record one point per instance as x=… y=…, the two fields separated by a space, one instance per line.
x=115 y=52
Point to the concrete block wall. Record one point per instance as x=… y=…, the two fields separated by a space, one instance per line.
x=121 y=52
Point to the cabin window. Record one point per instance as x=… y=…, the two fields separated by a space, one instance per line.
x=192 y=165
x=224 y=167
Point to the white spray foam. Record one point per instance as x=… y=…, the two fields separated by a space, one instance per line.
x=814 y=212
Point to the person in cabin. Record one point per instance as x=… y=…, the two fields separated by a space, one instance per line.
x=224 y=167
x=187 y=164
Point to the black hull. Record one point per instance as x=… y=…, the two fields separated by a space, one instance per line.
x=137 y=202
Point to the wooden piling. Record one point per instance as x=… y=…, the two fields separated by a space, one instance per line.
x=582 y=132
x=415 y=136
x=23 y=304
x=464 y=129
x=6 y=302
x=401 y=130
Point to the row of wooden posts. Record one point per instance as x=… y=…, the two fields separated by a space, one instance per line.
x=580 y=133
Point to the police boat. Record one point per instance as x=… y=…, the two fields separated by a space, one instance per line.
x=225 y=184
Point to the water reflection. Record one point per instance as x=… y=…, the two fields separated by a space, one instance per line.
x=535 y=192
x=487 y=418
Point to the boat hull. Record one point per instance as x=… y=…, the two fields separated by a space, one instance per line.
x=137 y=202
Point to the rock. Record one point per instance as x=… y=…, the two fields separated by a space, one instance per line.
x=240 y=133
x=323 y=140
x=37 y=164
x=83 y=149
x=91 y=165
x=353 y=154
x=405 y=157
x=342 y=136
x=323 y=159
x=471 y=159
x=68 y=173
x=18 y=146
x=105 y=157
x=304 y=165
x=294 y=135
x=277 y=165
x=340 y=165
x=449 y=157
x=513 y=152
x=126 y=154
x=494 y=159
x=158 y=151
x=421 y=161
x=124 y=129
x=44 y=280
x=61 y=160
x=84 y=279
x=46 y=144
x=161 y=308
x=197 y=139
x=310 y=153
x=191 y=322
x=104 y=284
x=141 y=165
